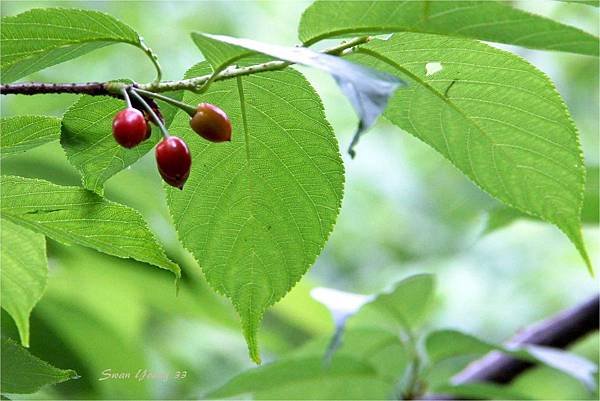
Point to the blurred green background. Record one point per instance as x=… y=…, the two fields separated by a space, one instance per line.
x=406 y=210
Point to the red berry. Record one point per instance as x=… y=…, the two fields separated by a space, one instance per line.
x=174 y=161
x=211 y=123
x=129 y=127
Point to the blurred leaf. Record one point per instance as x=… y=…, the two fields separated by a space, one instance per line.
x=72 y=215
x=103 y=349
x=595 y=3
x=481 y=391
x=495 y=117
x=23 y=373
x=404 y=307
x=40 y=38
x=367 y=90
x=502 y=216
x=444 y=344
x=575 y=366
x=256 y=212
x=24 y=269
x=379 y=348
x=544 y=383
x=487 y=20
x=307 y=379
x=88 y=142
x=25 y=132
x=298 y=308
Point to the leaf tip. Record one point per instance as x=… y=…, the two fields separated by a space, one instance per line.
x=250 y=330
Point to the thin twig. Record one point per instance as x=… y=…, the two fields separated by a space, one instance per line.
x=113 y=88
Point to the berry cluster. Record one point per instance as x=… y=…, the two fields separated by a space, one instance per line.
x=131 y=127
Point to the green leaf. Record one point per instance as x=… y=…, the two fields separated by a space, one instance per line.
x=23 y=272
x=88 y=142
x=444 y=344
x=40 y=38
x=595 y=3
x=218 y=53
x=590 y=213
x=72 y=215
x=256 y=212
x=485 y=20
x=404 y=307
x=23 y=373
x=497 y=118
x=21 y=133
x=367 y=90
x=307 y=379
x=480 y=391
x=379 y=348
x=103 y=349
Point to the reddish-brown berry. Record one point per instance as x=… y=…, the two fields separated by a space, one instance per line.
x=211 y=123
x=173 y=160
x=129 y=127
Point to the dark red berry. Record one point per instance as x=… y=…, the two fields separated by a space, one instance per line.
x=211 y=123
x=174 y=161
x=129 y=127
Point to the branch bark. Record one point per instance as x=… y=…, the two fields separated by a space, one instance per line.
x=113 y=89
x=559 y=331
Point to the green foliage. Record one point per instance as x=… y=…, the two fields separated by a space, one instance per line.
x=444 y=344
x=88 y=142
x=403 y=308
x=371 y=347
x=21 y=133
x=481 y=390
x=488 y=20
x=219 y=54
x=495 y=117
x=23 y=272
x=72 y=215
x=367 y=90
x=256 y=212
x=502 y=216
x=41 y=38
x=307 y=379
x=23 y=373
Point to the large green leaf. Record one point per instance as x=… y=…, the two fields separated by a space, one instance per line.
x=24 y=269
x=308 y=379
x=73 y=215
x=495 y=117
x=590 y=213
x=88 y=142
x=485 y=20
x=23 y=373
x=256 y=212
x=25 y=132
x=40 y=38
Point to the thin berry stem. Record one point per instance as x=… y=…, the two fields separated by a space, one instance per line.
x=126 y=97
x=155 y=118
x=191 y=110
